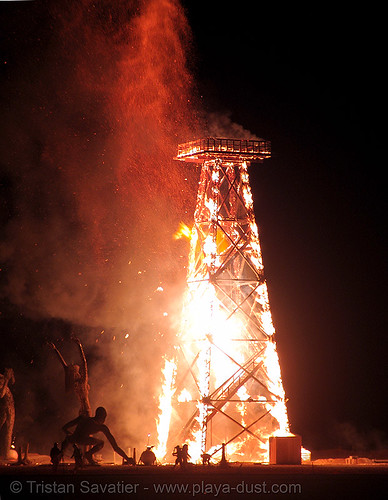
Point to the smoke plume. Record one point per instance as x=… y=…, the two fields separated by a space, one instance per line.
x=96 y=109
x=95 y=186
x=221 y=125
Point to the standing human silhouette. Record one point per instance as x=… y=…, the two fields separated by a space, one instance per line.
x=7 y=412
x=76 y=377
x=178 y=454
x=185 y=455
x=55 y=456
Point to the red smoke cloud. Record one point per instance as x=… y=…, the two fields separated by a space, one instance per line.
x=98 y=98
x=111 y=97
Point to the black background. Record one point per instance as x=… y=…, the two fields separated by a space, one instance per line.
x=312 y=82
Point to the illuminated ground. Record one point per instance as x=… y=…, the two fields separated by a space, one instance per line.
x=235 y=481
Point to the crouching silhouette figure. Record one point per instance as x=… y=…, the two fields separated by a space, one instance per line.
x=85 y=427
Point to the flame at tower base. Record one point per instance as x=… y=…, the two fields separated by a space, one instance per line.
x=224 y=383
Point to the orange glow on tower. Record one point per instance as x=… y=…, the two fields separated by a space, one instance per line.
x=224 y=384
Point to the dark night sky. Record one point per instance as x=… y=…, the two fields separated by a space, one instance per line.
x=312 y=83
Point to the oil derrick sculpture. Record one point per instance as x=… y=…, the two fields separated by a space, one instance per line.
x=226 y=384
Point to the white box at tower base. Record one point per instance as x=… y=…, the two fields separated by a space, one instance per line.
x=285 y=450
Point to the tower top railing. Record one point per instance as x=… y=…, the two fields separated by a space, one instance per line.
x=235 y=150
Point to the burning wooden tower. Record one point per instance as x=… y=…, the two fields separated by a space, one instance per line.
x=225 y=383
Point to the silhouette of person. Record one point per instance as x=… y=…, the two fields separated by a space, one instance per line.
x=76 y=378
x=77 y=455
x=185 y=455
x=55 y=456
x=178 y=454
x=7 y=412
x=148 y=456
x=85 y=427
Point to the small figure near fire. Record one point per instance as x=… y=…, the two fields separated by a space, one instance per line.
x=7 y=412
x=182 y=455
x=85 y=427
x=185 y=455
x=148 y=456
x=76 y=378
x=178 y=454
x=55 y=456
x=78 y=459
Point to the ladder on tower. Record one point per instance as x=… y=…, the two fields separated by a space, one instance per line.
x=229 y=388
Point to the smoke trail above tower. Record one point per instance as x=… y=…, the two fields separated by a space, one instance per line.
x=94 y=189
